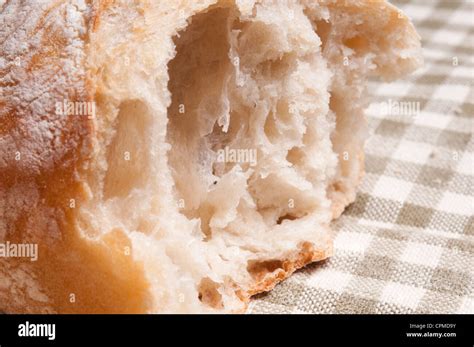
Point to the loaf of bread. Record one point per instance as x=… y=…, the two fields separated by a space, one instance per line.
x=180 y=156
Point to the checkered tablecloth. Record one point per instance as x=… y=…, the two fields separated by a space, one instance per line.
x=407 y=244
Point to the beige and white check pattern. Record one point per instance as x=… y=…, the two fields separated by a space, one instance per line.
x=407 y=244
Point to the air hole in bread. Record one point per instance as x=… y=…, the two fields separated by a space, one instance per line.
x=295 y=156
x=259 y=269
x=357 y=43
x=198 y=75
x=285 y=217
x=128 y=155
x=209 y=293
x=279 y=123
x=323 y=29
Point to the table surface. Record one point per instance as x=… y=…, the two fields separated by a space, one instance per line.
x=407 y=244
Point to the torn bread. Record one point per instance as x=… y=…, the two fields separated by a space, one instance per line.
x=180 y=156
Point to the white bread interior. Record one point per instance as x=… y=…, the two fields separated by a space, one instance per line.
x=160 y=223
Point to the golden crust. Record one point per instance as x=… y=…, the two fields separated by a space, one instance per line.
x=306 y=255
x=43 y=154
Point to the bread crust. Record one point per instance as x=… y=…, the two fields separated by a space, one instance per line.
x=307 y=254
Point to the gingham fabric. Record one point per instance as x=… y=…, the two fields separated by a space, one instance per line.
x=407 y=244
